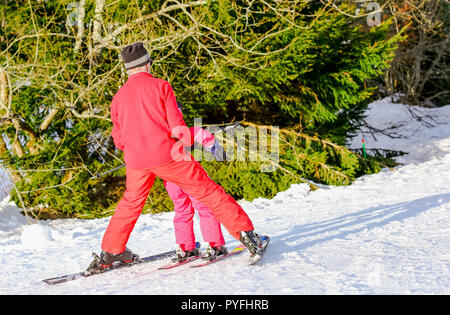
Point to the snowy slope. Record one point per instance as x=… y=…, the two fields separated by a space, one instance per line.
x=421 y=132
x=388 y=233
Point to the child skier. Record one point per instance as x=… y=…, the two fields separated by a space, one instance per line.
x=184 y=206
x=148 y=127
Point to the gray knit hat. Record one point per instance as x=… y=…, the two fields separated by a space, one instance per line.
x=135 y=55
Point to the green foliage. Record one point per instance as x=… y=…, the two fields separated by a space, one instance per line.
x=314 y=74
x=302 y=158
x=299 y=65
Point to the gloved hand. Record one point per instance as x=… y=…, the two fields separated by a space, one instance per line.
x=217 y=151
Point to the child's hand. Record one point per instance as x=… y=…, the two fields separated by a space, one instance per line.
x=217 y=151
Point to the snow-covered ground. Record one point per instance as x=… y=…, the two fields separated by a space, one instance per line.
x=388 y=233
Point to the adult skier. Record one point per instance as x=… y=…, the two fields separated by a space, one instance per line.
x=149 y=128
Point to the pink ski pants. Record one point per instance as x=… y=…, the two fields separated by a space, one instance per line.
x=184 y=207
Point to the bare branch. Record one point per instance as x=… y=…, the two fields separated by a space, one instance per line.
x=3 y=148
x=106 y=41
x=4 y=107
x=49 y=119
x=80 y=25
x=98 y=23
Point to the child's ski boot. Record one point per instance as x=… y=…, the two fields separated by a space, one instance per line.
x=213 y=252
x=181 y=255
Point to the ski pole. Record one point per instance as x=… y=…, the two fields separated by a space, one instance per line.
x=110 y=171
x=225 y=129
x=364 y=148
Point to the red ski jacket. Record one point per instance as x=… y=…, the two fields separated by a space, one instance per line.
x=147 y=122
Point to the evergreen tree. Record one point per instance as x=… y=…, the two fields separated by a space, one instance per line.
x=300 y=65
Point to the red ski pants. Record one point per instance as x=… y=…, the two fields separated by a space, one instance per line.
x=189 y=176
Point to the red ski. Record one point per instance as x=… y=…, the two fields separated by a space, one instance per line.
x=176 y=264
x=239 y=249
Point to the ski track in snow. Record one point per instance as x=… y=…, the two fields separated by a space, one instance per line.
x=387 y=233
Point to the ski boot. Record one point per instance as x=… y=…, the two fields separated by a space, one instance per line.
x=182 y=255
x=109 y=261
x=254 y=243
x=213 y=252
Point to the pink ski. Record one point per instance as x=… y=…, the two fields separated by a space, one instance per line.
x=173 y=265
x=239 y=249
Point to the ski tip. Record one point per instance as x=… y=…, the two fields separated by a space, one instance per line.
x=58 y=280
x=48 y=281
